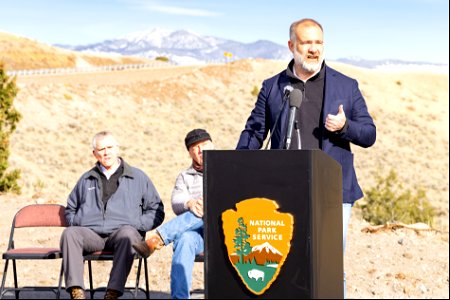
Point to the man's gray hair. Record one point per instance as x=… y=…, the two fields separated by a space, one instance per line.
x=293 y=36
x=100 y=135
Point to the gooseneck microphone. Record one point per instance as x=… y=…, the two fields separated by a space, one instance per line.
x=295 y=100
x=286 y=92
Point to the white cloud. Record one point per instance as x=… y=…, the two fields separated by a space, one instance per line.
x=176 y=10
x=171 y=9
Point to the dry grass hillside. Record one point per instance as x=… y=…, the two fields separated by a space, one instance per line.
x=21 y=53
x=151 y=110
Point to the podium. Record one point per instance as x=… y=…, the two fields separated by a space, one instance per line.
x=304 y=183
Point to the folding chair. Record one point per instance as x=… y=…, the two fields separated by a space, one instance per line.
x=200 y=258
x=109 y=255
x=35 y=215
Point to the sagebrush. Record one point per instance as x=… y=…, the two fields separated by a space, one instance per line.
x=9 y=117
x=389 y=202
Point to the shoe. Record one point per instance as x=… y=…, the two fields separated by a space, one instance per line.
x=77 y=293
x=112 y=294
x=147 y=247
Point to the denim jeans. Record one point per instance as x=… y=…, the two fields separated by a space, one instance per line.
x=346 y=213
x=186 y=233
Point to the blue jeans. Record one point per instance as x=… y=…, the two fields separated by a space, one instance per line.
x=346 y=213
x=186 y=233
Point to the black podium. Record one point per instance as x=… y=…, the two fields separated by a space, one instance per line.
x=306 y=184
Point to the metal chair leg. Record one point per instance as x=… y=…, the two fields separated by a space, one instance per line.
x=147 y=288
x=61 y=274
x=4 y=279
x=16 y=286
x=138 y=276
x=91 y=289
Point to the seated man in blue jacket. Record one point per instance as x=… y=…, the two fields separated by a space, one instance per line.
x=111 y=207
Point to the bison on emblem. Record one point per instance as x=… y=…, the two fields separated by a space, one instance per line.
x=256 y=274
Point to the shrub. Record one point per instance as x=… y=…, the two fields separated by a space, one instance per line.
x=162 y=58
x=68 y=97
x=9 y=117
x=389 y=202
x=255 y=91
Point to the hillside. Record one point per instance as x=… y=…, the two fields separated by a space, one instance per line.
x=160 y=105
x=20 y=53
x=151 y=110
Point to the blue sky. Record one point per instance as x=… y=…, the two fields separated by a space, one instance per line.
x=413 y=30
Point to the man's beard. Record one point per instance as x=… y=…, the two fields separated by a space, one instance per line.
x=306 y=66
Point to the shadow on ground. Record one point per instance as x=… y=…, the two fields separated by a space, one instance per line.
x=49 y=294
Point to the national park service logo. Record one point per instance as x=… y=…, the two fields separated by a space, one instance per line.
x=258 y=240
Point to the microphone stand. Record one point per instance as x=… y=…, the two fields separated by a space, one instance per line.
x=285 y=97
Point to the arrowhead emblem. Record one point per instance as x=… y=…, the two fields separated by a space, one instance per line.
x=258 y=240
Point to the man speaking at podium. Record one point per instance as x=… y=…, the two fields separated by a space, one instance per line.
x=330 y=114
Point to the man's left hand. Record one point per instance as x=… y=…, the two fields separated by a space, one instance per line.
x=336 y=122
x=196 y=207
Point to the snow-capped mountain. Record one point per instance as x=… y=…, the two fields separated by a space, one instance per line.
x=183 y=45
x=264 y=253
x=267 y=248
x=187 y=47
x=395 y=65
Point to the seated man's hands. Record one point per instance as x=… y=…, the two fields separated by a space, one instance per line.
x=196 y=206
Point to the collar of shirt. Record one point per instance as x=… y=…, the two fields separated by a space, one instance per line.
x=291 y=72
x=295 y=74
x=109 y=173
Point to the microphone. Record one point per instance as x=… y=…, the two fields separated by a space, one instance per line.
x=286 y=92
x=295 y=100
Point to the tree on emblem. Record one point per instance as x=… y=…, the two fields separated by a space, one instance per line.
x=240 y=240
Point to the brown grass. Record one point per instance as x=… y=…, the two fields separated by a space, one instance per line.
x=20 y=53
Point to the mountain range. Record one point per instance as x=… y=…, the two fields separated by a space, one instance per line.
x=186 y=47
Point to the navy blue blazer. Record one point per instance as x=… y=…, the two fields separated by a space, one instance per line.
x=339 y=89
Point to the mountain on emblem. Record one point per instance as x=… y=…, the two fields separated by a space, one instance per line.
x=257 y=241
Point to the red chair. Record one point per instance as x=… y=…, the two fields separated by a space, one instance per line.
x=35 y=215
